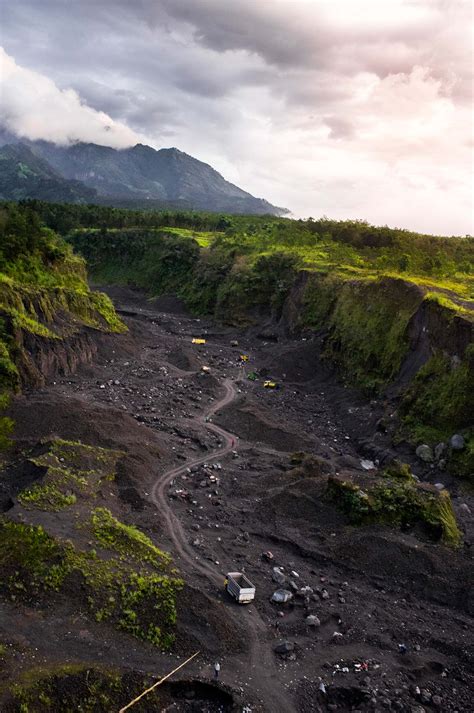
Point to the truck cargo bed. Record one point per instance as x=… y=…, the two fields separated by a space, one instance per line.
x=240 y=587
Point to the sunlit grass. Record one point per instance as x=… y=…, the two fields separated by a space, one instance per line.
x=346 y=261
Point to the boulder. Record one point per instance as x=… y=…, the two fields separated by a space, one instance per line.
x=425 y=695
x=278 y=576
x=284 y=647
x=425 y=453
x=281 y=596
x=457 y=442
x=313 y=620
x=439 y=450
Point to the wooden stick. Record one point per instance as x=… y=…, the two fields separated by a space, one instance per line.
x=158 y=683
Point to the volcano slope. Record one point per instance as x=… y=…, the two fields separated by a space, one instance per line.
x=226 y=475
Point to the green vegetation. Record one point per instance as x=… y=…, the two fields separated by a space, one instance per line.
x=453 y=307
x=162 y=259
x=439 y=400
x=368 y=329
x=72 y=470
x=461 y=463
x=127 y=580
x=22 y=173
x=71 y=688
x=31 y=560
x=233 y=245
x=351 y=249
x=43 y=292
x=398 y=469
x=6 y=424
x=40 y=276
x=46 y=497
x=139 y=600
x=396 y=501
x=127 y=540
x=438 y=403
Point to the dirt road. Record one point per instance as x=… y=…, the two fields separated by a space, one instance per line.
x=261 y=662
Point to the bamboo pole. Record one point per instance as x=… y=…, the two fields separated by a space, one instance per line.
x=158 y=683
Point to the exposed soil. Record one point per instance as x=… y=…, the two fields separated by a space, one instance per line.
x=208 y=474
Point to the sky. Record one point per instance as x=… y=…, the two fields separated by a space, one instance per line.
x=353 y=110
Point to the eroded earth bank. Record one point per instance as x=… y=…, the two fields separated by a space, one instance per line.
x=224 y=475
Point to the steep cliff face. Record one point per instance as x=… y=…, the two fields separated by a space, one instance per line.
x=48 y=314
x=41 y=359
x=398 y=340
x=49 y=331
x=380 y=332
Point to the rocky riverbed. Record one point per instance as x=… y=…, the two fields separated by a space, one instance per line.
x=346 y=617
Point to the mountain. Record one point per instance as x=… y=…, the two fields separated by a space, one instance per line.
x=23 y=174
x=139 y=173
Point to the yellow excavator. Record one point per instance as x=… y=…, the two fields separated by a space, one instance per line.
x=269 y=384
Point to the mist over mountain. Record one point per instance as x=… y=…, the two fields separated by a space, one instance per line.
x=86 y=171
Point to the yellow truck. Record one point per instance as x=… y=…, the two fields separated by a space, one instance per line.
x=197 y=340
x=269 y=384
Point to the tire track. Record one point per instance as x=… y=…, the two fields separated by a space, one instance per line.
x=262 y=665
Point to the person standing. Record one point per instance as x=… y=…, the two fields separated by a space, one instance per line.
x=217 y=668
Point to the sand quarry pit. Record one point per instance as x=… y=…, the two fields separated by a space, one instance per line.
x=356 y=593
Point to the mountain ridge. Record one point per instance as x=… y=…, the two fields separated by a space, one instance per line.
x=23 y=174
x=138 y=173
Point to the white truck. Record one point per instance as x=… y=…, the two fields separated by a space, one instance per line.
x=240 y=587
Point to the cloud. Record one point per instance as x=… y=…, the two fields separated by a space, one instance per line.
x=340 y=128
x=33 y=107
x=325 y=106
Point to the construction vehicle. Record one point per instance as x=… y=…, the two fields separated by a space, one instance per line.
x=197 y=340
x=244 y=357
x=269 y=384
x=239 y=587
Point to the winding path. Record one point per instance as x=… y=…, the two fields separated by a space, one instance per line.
x=261 y=662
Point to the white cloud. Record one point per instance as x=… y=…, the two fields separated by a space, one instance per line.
x=33 y=107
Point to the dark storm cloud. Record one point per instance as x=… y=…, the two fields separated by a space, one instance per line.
x=261 y=27
x=264 y=89
x=150 y=39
